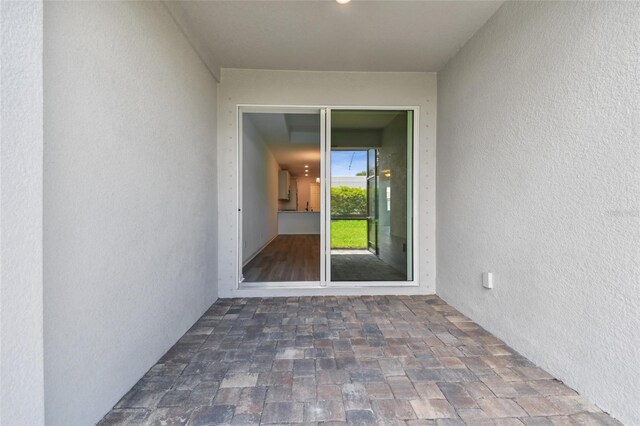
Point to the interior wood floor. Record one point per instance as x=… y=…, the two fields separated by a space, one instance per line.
x=297 y=258
x=286 y=258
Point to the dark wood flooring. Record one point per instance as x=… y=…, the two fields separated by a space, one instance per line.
x=297 y=258
x=286 y=258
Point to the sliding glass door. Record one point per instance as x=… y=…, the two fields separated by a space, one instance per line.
x=326 y=197
x=281 y=209
x=370 y=196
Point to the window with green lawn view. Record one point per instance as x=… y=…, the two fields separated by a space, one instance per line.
x=371 y=195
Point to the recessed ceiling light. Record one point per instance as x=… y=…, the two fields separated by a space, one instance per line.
x=306 y=166
x=343 y=1
x=306 y=174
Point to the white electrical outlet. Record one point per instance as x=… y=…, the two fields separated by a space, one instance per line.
x=487 y=279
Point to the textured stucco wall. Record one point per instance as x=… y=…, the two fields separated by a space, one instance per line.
x=21 y=347
x=262 y=87
x=539 y=182
x=129 y=199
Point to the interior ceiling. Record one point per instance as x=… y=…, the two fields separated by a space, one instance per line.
x=293 y=139
x=362 y=120
x=364 y=35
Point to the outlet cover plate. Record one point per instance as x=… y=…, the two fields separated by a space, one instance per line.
x=487 y=279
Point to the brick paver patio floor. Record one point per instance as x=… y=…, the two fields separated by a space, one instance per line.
x=388 y=360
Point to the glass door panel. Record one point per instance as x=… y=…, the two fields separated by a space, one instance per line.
x=371 y=200
x=281 y=232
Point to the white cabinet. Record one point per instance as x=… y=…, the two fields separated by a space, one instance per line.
x=292 y=203
x=284 y=185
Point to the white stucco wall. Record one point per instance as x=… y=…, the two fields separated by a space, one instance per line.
x=539 y=182
x=261 y=87
x=21 y=338
x=129 y=199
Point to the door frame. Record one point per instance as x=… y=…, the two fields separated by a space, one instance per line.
x=372 y=222
x=276 y=109
x=325 y=197
x=412 y=214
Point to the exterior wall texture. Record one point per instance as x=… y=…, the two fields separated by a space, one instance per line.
x=287 y=88
x=539 y=183
x=21 y=298
x=129 y=199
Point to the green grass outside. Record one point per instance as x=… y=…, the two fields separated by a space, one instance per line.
x=348 y=234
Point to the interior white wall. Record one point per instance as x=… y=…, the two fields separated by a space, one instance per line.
x=263 y=87
x=129 y=199
x=304 y=189
x=260 y=192
x=21 y=136
x=392 y=225
x=539 y=182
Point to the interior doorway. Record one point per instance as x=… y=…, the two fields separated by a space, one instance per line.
x=327 y=197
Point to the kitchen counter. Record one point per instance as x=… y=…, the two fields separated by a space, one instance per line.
x=296 y=222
